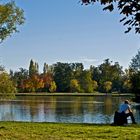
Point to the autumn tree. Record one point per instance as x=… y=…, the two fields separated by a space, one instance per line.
x=11 y=17
x=52 y=87
x=95 y=85
x=129 y=9
x=19 y=77
x=33 y=84
x=107 y=86
x=74 y=85
x=47 y=80
x=7 y=88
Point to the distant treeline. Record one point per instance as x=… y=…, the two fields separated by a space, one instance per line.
x=72 y=77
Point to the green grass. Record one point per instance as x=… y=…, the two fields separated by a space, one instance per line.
x=61 y=131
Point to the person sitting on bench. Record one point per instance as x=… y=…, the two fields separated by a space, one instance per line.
x=126 y=110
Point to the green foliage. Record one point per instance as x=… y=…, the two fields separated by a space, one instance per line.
x=130 y=9
x=53 y=87
x=18 y=78
x=135 y=62
x=108 y=72
x=62 y=73
x=135 y=73
x=107 y=86
x=33 y=68
x=74 y=85
x=86 y=82
x=47 y=80
x=95 y=85
x=7 y=88
x=135 y=80
x=10 y=17
x=68 y=77
x=72 y=77
x=45 y=68
x=127 y=86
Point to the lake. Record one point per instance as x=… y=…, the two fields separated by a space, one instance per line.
x=68 y=109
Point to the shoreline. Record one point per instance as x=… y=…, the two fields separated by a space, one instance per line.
x=75 y=94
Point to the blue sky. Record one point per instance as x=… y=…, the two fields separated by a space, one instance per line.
x=65 y=31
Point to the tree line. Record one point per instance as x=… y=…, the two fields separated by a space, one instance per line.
x=73 y=78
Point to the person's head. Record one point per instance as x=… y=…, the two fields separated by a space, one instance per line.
x=126 y=102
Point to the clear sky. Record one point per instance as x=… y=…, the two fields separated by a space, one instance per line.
x=65 y=31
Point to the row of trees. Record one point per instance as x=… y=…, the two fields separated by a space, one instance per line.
x=72 y=77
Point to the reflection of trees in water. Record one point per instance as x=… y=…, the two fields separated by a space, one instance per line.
x=68 y=109
x=5 y=111
x=49 y=109
x=64 y=108
x=108 y=108
x=68 y=105
x=33 y=106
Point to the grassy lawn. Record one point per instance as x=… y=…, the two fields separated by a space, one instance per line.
x=61 y=131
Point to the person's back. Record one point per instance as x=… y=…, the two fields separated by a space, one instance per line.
x=124 y=108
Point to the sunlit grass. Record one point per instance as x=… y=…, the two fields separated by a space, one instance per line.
x=58 y=131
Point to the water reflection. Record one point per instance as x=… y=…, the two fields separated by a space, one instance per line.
x=62 y=109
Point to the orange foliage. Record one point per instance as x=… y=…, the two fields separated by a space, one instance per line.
x=33 y=83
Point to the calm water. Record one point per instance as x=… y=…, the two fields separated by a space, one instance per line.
x=63 y=109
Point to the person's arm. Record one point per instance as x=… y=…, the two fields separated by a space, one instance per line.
x=129 y=108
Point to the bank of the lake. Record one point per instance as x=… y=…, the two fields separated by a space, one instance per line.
x=61 y=131
x=75 y=94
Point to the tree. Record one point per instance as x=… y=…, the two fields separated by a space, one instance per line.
x=52 y=87
x=45 y=68
x=107 y=86
x=135 y=73
x=74 y=85
x=7 y=88
x=33 y=68
x=10 y=17
x=95 y=73
x=95 y=85
x=62 y=73
x=130 y=9
x=86 y=82
x=33 y=84
x=110 y=72
x=135 y=80
x=47 y=80
x=127 y=85
x=135 y=62
x=18 y=78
